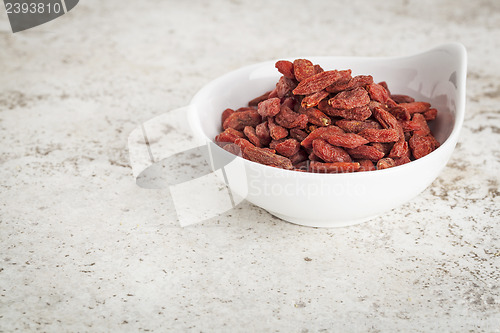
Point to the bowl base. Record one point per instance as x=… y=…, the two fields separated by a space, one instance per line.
x=323 y=223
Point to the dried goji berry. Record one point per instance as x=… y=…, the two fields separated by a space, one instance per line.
x=229 y=135
x=262 y=131
x=355 y=126
x=286 y=68
x=329 y=153
x=400 y=113
x=430 y=114
x=435 y=143
x=316 y=117
x=318 y=69
x=402 y=99
x=238 y=120
x=341 y=83
x=276 y=131
x=386 y=87
x=285 y=86
x=226 y=113
x=380 y=135
x=399 y=149
x=366 y=165
x=390 y=103
x=377 y=92
x=263 y=156
x=337 y=167
x=414 y=107
x=320 y=133
x=423 y=128
x=303 y=69
x=359 y=81
x=290 y=119
x=317 y=82
x=244 y=108
x=274 y=143
x=288 y=147
x=269 y=107
x=420 y=145
x=409 y=126
x=385 y=118
x=365 y=152
x=384 y=147
x=313 y=99
x=252 y=136
x=350 y=99
x=346 y=140
x=269 y=150
x=373 y=104
x=385 y=163
x=401 y=160
x=243 y=143
x=359 y=113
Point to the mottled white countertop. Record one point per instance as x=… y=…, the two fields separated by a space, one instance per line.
x=82 y=248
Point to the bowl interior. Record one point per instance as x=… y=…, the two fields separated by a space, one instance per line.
x=436 y=76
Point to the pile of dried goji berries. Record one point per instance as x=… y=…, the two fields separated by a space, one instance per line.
x=328 y=121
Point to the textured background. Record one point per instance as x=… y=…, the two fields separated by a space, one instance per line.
x=82 y=248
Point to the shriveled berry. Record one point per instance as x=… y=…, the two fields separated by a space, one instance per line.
x=377 y=93
x=320 y=133
x=329 y=153
x=380 y=135
x=420 y=145
x=226 y=113
x=269 y=107
x=285 y=86
x=317 y=82
x=402 y=99
x=316 y=117
x=303 y=69
x=276 y=131
x=313 y=99
x=263 y=156
x=365 y=152
x=252 y=136
x=286 y=68
x=358 y=113
x=350 y=99
x=346 y=140
x=238 y=120
x=415 y=107
x=262 y=131
x=355 y=126
x=229 y=135
x=290 y=119
x=288 y=147
x=385 y=163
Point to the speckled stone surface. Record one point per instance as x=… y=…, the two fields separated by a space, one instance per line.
x=82 y=248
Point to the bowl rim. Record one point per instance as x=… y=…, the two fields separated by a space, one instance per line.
x=457 y=48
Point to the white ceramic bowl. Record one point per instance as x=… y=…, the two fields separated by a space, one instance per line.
x=329 y=200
